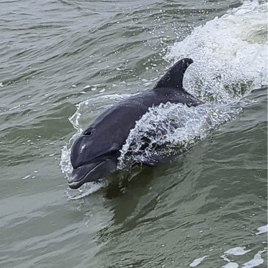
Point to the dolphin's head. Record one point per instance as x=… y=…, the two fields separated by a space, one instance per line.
x=91 y=160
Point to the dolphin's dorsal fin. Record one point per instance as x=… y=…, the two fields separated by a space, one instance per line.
x=173 y=78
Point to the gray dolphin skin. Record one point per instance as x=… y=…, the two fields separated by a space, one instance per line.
x=94 y=154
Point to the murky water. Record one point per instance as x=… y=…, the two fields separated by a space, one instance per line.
x=63 y=62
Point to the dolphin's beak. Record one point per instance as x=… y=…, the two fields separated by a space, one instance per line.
x=91 y=172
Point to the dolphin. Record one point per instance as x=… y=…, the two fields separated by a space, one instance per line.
x=94 y=154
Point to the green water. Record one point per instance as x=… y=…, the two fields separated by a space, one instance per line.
x=57 y=54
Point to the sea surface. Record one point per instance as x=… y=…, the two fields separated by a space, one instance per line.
x=62 y=63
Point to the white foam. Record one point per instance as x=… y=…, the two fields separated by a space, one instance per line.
x=237 y=251
x=197 y=261
x=256 y=261
x=263 y=229
x=65 y=162
x=231 y=265
x=240 y=251
x=227 y=51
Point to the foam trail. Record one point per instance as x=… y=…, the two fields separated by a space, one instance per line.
x=229 y=53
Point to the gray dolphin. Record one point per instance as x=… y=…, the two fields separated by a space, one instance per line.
x=95 y=152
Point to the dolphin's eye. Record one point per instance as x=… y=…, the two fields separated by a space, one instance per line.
x=88 y=131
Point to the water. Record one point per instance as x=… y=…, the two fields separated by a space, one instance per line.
x=65 y=59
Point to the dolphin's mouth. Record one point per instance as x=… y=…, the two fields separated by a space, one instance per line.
x=91 y=172
x=83 y=174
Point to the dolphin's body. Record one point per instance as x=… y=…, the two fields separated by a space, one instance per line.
x=95 y=153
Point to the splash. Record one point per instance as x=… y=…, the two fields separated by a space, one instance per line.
x=171 y=129
x=229 y=53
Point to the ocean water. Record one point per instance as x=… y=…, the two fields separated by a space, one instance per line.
x=63 y=63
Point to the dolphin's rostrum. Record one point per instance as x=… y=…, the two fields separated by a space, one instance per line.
x=95 y=153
